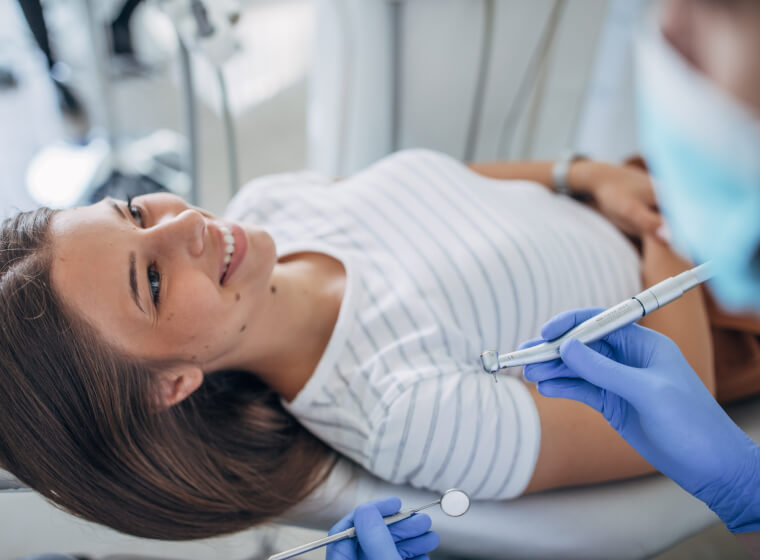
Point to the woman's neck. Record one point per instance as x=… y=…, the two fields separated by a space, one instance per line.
x=307 y=290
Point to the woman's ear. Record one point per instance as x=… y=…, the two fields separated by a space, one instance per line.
x=177 y=383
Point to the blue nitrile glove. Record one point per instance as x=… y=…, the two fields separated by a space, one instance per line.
x=410 y=538
x=644 y=387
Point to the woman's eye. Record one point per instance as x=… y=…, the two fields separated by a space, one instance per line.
x=135 y=212
x=154 y=281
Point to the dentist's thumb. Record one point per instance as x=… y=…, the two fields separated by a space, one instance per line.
x=597 y=369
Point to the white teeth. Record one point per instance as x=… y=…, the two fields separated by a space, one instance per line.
x=229 y=248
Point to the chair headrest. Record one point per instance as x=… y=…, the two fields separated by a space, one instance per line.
x=8 y=483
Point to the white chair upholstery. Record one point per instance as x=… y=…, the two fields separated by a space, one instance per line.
x=9 y=483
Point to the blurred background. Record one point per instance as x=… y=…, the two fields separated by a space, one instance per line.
x=95 y=87
x=116 y=97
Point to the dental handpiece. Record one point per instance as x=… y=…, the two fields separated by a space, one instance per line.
x=609 y=320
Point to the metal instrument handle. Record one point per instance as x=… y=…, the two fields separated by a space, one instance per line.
x=347 y=534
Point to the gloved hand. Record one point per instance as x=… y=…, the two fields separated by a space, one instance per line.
x=410 y=538
x=644 y=387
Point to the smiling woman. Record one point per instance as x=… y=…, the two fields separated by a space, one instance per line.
x=79 y=419
x=155 y=282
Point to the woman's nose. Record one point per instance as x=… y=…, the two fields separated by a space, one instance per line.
x=185 y=231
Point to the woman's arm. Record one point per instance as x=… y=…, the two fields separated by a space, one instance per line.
x=583 y=175
x=536 y=171
x=622 y=193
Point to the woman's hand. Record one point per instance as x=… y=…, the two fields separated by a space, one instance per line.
x=622 y=193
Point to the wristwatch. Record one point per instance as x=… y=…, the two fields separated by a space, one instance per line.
x=560 y=170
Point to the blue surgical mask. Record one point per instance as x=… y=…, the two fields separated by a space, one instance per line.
x=703 y=148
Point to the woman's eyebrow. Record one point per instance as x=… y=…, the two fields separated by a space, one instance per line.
x=115 y=206
x=132 y=260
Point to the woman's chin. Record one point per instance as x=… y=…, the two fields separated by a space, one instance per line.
x=259 y=259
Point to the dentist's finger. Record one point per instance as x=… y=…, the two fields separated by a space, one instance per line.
x=563 y=322
x=599 y=370
x=553 y=369
x=532 y=342
x=387 y=506
x=372 y=532
x=423 y=544
x=574 y=389
x=542 y=371
x=413 y=526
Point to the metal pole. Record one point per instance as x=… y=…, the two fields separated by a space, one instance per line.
x=229 y=130
x=191 y=120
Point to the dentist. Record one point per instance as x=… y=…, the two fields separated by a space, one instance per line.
x=699 y=118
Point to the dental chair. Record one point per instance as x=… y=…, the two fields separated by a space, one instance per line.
x=632 y=519
x=485 y=80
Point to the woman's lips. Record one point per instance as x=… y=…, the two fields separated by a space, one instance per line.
x=241 y=246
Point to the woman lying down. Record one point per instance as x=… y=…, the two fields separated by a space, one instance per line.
x=175 y=376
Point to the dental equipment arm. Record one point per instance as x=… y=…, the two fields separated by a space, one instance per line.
x=599 y=326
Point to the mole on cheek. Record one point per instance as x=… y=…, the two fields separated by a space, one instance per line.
x=242 y=328
x=273 y=289
x=237 y=297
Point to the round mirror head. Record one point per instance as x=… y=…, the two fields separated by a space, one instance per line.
x=455 y=503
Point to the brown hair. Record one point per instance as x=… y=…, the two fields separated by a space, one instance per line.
x=77 y=426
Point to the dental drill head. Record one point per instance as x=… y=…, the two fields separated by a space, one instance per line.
x=490 y=361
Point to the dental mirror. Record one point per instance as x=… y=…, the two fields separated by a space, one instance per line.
x=454 y=503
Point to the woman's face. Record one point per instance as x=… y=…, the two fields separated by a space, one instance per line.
x=148 y=277
x=721 y=38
